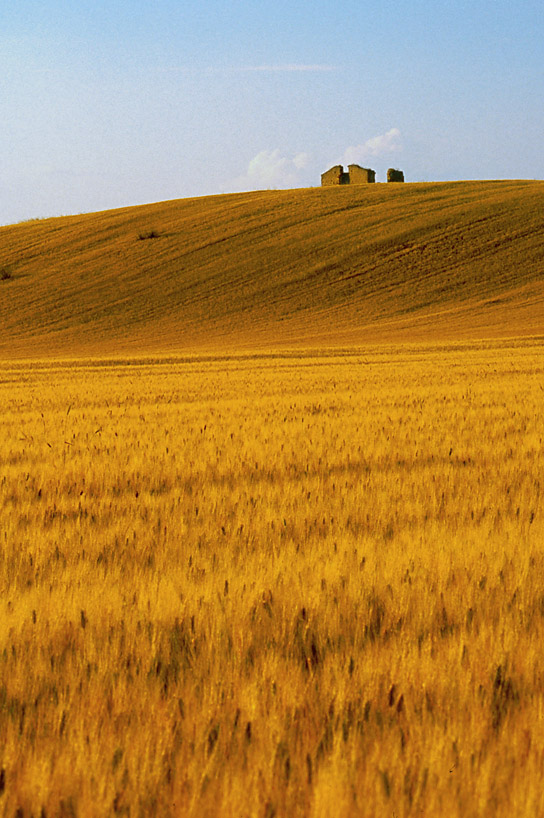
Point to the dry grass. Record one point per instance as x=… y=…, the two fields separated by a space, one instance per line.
x=295 y=585
x=279 y=269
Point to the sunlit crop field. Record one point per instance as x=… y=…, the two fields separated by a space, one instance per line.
x=298 y=585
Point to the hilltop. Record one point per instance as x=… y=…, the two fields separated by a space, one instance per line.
x=311 y=268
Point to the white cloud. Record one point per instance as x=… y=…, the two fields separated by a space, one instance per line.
x=389 y=142
x=269 y=169
x=300 y=161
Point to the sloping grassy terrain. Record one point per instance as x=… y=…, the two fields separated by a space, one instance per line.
x=297 y=575
x=301 y=268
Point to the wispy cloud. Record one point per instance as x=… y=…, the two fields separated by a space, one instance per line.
x=289 y=67
x=269 y=169
x=389 y=142
x=242 y=69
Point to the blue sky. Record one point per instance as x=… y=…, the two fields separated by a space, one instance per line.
x=107 y=104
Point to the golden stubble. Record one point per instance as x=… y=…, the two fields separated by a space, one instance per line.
x=287 y=269
x=277 y=585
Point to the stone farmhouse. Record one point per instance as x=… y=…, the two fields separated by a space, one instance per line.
x=356 y=175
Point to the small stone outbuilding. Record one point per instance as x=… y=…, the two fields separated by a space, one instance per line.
x=356 y=175
x=394 y=175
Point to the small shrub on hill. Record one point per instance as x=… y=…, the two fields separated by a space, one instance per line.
x=5 y=274
x=148 y=234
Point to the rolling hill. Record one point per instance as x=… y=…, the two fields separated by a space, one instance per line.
x=278 y=269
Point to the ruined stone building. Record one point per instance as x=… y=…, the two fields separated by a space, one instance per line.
x=356 y=175
x=394 y=175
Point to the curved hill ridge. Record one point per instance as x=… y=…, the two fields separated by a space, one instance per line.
x=278 y=269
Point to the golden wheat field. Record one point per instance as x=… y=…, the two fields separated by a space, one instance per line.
x=274 y=585
x=271 y=521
